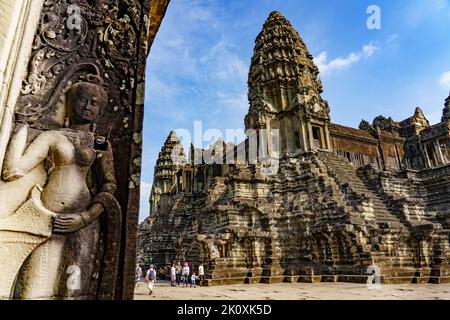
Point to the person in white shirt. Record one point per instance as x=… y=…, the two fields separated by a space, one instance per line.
x=151 y=278
x=173 y=275
x=186 y=272
x=201 y=274
x=138 y=274
x=193 y=280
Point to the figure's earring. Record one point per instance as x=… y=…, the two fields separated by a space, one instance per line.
x=66 y=122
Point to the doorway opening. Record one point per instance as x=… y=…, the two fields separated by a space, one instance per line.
x=317 y=137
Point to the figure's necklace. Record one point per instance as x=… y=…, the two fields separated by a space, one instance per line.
x=78 y=137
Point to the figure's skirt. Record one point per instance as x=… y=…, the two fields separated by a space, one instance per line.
x=20 y=234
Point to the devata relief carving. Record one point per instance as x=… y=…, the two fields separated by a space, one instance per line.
x=63 y=213
x=67 y=221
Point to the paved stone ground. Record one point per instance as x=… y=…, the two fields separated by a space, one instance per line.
x=295 y=291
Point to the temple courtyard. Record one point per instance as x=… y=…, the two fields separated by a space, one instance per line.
x=296 y=291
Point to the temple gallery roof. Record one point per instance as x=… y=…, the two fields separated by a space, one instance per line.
x=351 y=131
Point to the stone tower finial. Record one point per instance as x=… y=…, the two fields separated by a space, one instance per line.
x=172 y=154
x=446 y=110
x=283 y=82
x=419 y=119
x=172 y=137
x=419 y=116
x=170 y=159
x=275 y=14
x=418 y=112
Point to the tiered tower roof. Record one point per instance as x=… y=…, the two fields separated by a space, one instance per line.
x=281 y=68
x=170 y=156
x=446 y=111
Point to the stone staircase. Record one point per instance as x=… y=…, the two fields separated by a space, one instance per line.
x=345 y=172
x=392 y=256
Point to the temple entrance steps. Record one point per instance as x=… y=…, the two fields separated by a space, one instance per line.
x=345 y=172
x=394 y=252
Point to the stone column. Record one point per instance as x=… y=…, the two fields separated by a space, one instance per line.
x=327 y=137
x=268 y=133
x=310 y=135
x=302 y=133
x=262 y=143
x=18 y=24
x=400 y=165
x=438 y=151
x=427 y=160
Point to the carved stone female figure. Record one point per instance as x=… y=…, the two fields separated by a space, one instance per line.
x=63 y=260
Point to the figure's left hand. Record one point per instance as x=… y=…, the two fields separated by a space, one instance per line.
x=68 y=222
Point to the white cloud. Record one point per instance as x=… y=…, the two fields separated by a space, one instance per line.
x=195 y=61
x=392 y=37
x=369 y=49
x=418 y=12
x=144 y=206
x=223 y=64
x=445 y=79
x=236 y=101
x=326 y=66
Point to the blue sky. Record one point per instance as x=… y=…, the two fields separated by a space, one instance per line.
x=198 y=65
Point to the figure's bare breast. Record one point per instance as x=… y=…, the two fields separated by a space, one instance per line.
x=66 y=190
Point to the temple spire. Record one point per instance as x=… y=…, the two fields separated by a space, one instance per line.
x=446 y=110
x=170 y=159
x=283 y=85
x=171 y=155
x=281 y=67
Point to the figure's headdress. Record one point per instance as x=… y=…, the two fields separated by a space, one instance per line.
x=93 y=78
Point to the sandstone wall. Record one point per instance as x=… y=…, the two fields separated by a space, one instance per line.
x=319 y=219
x=18 y=23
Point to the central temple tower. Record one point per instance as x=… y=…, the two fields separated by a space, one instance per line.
x=284 y=91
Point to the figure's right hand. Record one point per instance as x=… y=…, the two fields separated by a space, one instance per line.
x=68 y=222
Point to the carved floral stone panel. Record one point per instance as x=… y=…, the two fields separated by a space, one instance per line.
x=70 y=182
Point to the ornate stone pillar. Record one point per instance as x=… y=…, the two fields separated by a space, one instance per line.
x=268 y=133
x=439 y=155
x=262 y=143
x=18 y=23
x=302 y=132
x=310 y=136
x=84 y=52
x=327 y=137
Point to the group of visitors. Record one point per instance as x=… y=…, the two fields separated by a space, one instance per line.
x=179 y=275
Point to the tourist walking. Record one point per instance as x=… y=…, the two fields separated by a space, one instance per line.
x=173 y=276
x=138 y=274
x=178 y=273
x=150 y=278
x=186 y=272
x=201 y=274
